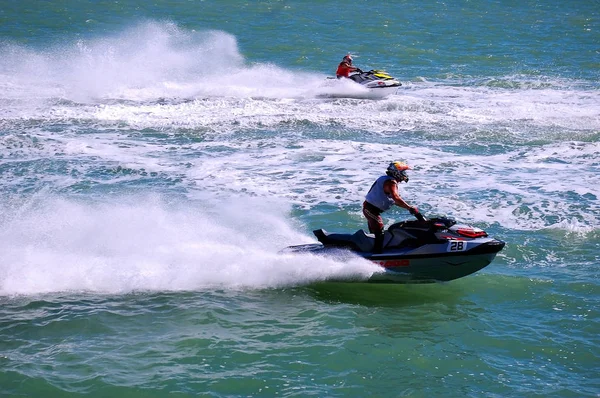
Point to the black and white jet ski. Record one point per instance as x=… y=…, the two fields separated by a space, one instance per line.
x=374 y=84
x=376 y=80
x=415 y=251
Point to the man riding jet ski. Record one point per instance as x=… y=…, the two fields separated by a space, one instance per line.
x=345 y=67
x=374 y=80
x=381 y=196
x=425 y=250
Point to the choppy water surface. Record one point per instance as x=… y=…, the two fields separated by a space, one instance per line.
x=154 y=159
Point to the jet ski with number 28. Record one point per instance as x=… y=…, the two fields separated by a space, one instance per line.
x=414 y=251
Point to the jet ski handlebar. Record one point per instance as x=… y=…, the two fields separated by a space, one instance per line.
x=417 y=215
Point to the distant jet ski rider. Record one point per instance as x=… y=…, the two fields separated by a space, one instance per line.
x=345 y=67
x=382 y=195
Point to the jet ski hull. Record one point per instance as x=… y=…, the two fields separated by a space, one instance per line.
x=363 y=93
x=412 y=268
x=431 y=251
x=374 y=84
x=440 y=268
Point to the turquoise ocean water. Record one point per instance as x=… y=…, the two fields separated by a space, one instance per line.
x=156 y=156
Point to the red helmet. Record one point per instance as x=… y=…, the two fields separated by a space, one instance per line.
x=347 y=58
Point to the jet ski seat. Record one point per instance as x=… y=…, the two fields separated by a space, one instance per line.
x=362 y=241
x=359 y=241
x=365 y=242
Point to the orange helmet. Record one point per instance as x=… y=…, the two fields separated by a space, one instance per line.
x=397 y=170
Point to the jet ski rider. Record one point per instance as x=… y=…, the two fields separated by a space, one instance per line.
x=382 y=195
x=345 y=67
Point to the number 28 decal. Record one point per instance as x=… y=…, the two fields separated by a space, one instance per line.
x=457 y=246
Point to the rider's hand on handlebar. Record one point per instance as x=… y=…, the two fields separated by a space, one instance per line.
x=415 y=212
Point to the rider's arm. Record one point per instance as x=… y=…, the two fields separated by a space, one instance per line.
x=391 y=189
